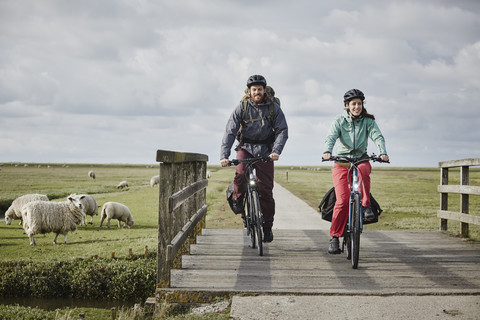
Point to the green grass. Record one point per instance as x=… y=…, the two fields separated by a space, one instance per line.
x=58 y=182
x=219 y=213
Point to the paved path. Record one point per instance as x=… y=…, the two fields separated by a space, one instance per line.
x=294 y=214
x=355 y=307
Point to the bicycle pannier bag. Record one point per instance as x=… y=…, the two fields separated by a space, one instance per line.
x=229 y=193
x=328 y=202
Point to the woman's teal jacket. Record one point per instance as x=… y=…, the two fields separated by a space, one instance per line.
x=351 y=136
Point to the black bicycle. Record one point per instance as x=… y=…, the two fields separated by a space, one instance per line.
x=354 y=226
x=252 y=216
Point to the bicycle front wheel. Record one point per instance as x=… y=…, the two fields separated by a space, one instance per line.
x=250 y=219
x=355 y=230
x=347 y=245
x=258 y=222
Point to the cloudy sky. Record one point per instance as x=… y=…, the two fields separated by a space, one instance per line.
x=113 y=81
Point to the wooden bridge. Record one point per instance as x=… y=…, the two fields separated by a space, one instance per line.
x=221 y=264
x=391 y=263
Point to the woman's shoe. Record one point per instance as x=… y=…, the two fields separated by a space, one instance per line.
x=334 y=247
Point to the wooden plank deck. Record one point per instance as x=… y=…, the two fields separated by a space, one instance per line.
x=297 y=262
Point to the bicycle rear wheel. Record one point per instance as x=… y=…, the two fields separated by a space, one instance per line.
x=258 y=222
x=355 y=230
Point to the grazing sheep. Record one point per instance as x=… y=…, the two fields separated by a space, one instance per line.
x=209 y=174
x=41 y=217
x=154 y=181
x=122 y=185
x=14 y=211
x=91 y=174
x=115 y=210
x=90 y=207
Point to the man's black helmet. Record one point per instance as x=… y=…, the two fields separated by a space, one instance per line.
x=256 y=79
x=352 y=94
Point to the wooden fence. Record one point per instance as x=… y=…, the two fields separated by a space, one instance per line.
x=464 y=189
x=181 y=209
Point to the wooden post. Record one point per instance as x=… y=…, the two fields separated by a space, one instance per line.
x=113 y=313
x=129 y=252
x=113 y=255
x=181 y=176
x=444 y=198
x=464 y=178
x=286 y=173
x=145 y=254
x=165 y=220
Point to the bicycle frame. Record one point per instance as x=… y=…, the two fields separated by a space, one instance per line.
x=354 y=187
x=252 y=186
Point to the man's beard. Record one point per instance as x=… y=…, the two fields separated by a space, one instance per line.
x=257 y=98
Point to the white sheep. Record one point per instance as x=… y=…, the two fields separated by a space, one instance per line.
x=122 y=185
x=90 y=206
x=115 y=210
x=91 y=174
x=154 y=181
x=14 y=211
x=209 y=174
x=40 y=217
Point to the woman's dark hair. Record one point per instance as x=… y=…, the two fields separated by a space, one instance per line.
x=365 y=113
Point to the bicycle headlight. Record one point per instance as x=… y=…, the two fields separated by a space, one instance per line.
x=252 y=180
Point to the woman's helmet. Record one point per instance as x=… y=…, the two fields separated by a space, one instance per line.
x=256 y=79
x=352 y=94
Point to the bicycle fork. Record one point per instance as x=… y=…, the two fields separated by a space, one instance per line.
x=252 y=181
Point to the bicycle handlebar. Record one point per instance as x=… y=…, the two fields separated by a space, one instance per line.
x=249 y=160
x=373 y=157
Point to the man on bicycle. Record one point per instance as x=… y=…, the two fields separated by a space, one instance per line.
x=261 y=128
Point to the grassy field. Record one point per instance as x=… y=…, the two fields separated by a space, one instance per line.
x=408 y=197
x=57 y=182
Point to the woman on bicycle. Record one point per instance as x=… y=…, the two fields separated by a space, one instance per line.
x=350 y=131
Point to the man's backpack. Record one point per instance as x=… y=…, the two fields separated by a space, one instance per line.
x=328 y=202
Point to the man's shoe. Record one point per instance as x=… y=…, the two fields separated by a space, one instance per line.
x=334 y=247
x=237 y=206
x=368 y=214
x=267 y=234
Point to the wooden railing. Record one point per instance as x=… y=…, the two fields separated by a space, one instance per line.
x=181 y=208
x=464 y=189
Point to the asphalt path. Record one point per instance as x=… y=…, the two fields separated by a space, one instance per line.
x=294 y=214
